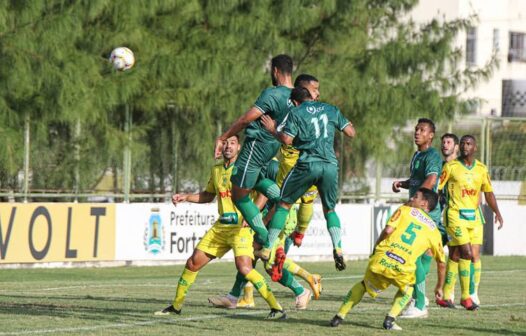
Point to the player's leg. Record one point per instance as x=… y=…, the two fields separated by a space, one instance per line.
x=402 y=297
x=476 y=264
x=451 y=277
x=418 y=308
x=464 y=268
x=195 y=263
x=294 y=186
x=314 y=280
x=305 y=213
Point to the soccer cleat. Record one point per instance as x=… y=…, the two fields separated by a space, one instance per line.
x=227 y=301
x=170 y=310
x=277 y=268
x=427 y=302
x=336 y=321
x=297 y=238
x=339 y=262
x=302 y=300
x=263 y=253
x=246 y=303
x=276 y=314
x=413 y=312
x=469 y=304
x=446 y=303
x=389 y=324
x=314 y=281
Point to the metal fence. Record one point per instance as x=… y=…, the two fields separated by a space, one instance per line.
x=129 y=176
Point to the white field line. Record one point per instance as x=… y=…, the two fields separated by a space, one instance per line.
x=175 y=321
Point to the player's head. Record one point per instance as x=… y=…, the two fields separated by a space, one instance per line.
x=449 y=144
x=425 y=199
x=424 y=132
x=309 y=82
x=231 y=147
x=280 y=65
x=299 y=95
x=468 y=146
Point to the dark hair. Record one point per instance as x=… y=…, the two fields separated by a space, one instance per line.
x=468 y=136
x=431 y=197
x=304 y=79
x=283 y=63
x=450 y=136
x=300 y=94
x=429 y=122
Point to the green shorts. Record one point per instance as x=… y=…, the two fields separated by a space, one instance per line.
x=253 y=157
x=303 y=175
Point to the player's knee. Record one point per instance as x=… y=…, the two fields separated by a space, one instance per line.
x=244 y=265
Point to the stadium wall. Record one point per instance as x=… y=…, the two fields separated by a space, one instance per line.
x=77 y=235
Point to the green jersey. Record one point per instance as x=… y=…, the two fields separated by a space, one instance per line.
x=423 y=164
x=312 y=125
x=274 y=102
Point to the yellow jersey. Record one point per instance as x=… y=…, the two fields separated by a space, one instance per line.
x=289 y=156
x=463 y=185
x=415 y=232
x=220 y=185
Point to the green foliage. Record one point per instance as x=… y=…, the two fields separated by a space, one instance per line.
x=199 y=65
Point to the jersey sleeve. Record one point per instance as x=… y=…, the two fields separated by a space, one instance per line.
x=486 y=182
x=210 y=186
x=444 y=176
x=342 y=122
x=265 y=101
x=290 y=126
x=436 y=246
x=395 y=219
x=433 y=164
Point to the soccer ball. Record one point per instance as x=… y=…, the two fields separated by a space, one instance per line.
x=122 y=58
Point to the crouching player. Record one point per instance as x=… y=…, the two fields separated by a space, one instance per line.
x=408 y=234
x=227 y=233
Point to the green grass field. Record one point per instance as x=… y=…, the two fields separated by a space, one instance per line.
x=121 y=301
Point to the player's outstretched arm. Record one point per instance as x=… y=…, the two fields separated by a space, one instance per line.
x=397 y=185
x=492 y=202
x=441 y=277
x=240 y=124
x=202 y=197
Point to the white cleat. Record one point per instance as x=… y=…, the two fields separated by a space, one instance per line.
x=302 y=300
x=475 y=299
x=227 y=301
x=414 y=312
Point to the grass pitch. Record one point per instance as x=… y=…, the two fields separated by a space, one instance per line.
x=122 y=300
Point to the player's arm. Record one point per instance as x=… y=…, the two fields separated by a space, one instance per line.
x=397 y=185
x=386 y=232
x=202 y=197
x=441 y=277
x=492 y=202
x=270 y=126
x=240 y=124
x=430 y=181
x=349 y=130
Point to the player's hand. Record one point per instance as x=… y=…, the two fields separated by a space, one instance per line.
x=268 y=123
x=396 y=186
x=499 y=220
x=218 y=150
x=245 y=224
x=178 y=198
x=439 y=294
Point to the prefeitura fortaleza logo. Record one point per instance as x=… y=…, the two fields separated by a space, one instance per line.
x=154 y=233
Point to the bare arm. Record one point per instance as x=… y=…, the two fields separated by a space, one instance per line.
x=386 y=232
x=349 y=131
x=270 y=126
x=430 y=181
x=492 y=202
x=241 y=123
x=441 y=277
x=202 y=197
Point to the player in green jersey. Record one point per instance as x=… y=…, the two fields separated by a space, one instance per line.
x=425 y=167
x=258 y=149
x=310 y=127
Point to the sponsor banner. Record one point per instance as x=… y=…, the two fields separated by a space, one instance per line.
x=151 y=231
x=56 y=232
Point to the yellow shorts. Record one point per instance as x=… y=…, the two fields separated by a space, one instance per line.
x=222 y=238
x=376 y=283
x=310 y=195
x=462 y=231
x=462 y=235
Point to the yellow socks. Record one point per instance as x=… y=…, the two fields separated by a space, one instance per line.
x=296 y=269
x=185 y=281
x=400 y=301
x=354 y=297
x=259 y=282
x=464 y=267
x=451 y=279
x=305 y=213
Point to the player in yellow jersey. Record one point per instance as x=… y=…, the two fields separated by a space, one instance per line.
x=465 y=178
x=408 y=234
x=226 y=234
